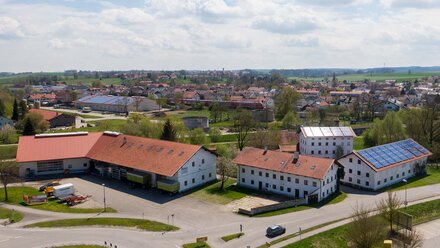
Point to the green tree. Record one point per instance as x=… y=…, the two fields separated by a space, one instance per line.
x=215 y=134
x=388 y=130
x=286 y=101
x=215 y=112
x=243 y=122
x=2 y=108
x=28 y=128
x=389 y=207
x=168 y=133
x=23 y=109
x=15 y=112
x=33 y=123
x=365 y=230
x=8 y=135
x=198 y=137
x=290 y=121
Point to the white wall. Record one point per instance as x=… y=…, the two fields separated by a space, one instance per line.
x=250 y=177
x=74 y=165
x=376 y=180
x=201 y=172
x=327 y=149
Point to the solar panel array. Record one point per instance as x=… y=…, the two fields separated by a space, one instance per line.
x=100 y=99
x=328 y=131
x=388 y=154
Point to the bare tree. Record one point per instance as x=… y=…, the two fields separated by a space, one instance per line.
x=224 y=169
x=243 y=123
x=412 y=239
x=365 y=230
x=8 y=174
x=388 y=208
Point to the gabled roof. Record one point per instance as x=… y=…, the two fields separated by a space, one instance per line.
x=327 y=132
x=307 y=166
x=34 y=148
x=47 y=115
x=156 y=156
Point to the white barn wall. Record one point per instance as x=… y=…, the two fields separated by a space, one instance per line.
x=310 y=145
x=200 y=172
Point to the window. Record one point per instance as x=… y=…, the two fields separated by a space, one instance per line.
x=193 y=164
x=334 y=143
x=367 y=183
x=267 y=174
x=326 y=152
x=85 y=164
x=274 y=176
x=281 y=188
x=326 y=143
x=313 y=143
x=403 y=174
x=289 y=190
x=397 y=176
x=409 y=171
x=359 y=161
x=368 y=174
x=313 y=152
x=358 y=181
x=334 y=152
x=296 y=180
x=203 y=160
x=378 y=182
x=252 y=172
x=242 y=180
x=359 y=173
x=306 y=192
x=350 y=160
x=391 y=178
x=385 y=180
x=314 y=184
x=267 y=185
x=306 y=182
x=186 y=183
x=350 y=179
x=328 y=180
x=319 y=143
x=274 y=186
x=281 y=177
x=288 y=179
x=69 y=166
x=260 y=173
x=53 y=165
x=242 y=170
x=193 y=180
x=203 y=177
x=319 y=152
x=252 y=182
x=210 y=175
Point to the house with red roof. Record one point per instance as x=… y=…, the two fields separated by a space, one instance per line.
x=293 y=175
x=55 y=119
x=169 y=166
x=44 y=99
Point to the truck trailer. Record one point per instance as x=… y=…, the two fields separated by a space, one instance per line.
x=63 y=190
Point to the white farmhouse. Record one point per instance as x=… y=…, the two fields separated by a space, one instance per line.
x=324 y=141
x=381 y=166
x=169 y=166
x=293 y=175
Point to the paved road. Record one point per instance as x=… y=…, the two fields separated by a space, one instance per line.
x=194 y=217
x=431 y=233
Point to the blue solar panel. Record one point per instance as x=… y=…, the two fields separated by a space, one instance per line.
x=388 y=154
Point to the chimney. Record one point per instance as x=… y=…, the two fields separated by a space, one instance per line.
x=295 y=157
x=265 y=150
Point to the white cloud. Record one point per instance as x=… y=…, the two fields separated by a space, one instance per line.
x=10 y=28
x=411 y=3
x=286 y=26
x=64 y=44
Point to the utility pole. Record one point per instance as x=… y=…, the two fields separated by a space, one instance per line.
x=406 y=188
x=103 y=187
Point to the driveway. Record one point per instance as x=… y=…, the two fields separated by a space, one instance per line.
x=431 y=233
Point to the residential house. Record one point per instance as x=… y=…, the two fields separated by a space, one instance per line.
x=5 y=121
x=56 y=119
x=117 y=104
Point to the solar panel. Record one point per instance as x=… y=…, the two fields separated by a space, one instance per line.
x=346 y=131
x=336 y=131
x=388 y=154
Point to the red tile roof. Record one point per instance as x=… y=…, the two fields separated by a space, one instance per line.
x=42 y=96
x=32 y=148
x=47 y=115
x=306 y=166
x=156 y=156
x=152 y=155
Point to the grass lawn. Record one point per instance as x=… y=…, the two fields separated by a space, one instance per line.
x=222 y=124
x=422 y=212
x=16 y=194
x=432 y=177
x=196 y=245
x=8 y=152
x=232 y=236
x=213 y=193
x=12 y=215
x=227 y=138
x=146 y=225
x=104 y=125
x=358 y=143
x=79 y=246
x=89 y=81
x=335 y=198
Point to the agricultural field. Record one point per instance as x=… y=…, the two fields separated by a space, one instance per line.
x=380 y=77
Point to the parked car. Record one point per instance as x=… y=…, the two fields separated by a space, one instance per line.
x=275 y=230
x=49 y=184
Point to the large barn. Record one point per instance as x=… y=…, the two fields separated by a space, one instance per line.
x=169 y=166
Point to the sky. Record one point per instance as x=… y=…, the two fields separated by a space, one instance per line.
x=57 y=35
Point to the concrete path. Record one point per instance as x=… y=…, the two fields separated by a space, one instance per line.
x=431 y=233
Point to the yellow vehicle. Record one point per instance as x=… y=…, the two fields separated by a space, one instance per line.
x=49 y=184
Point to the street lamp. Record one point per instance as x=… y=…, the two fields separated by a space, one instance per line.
x=103 y=187
x=405 y=181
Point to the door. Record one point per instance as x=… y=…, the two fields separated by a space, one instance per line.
x=260 y=185
x=296 y=193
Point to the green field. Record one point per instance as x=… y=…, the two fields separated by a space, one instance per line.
x=424 y=212
x=16 y=198
x=89 y=81
x=146 y=225
x=380 y=77
x=8 y=151
x=12 y=215
x=196 y=245
x=61 y=78
x=104 y=125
